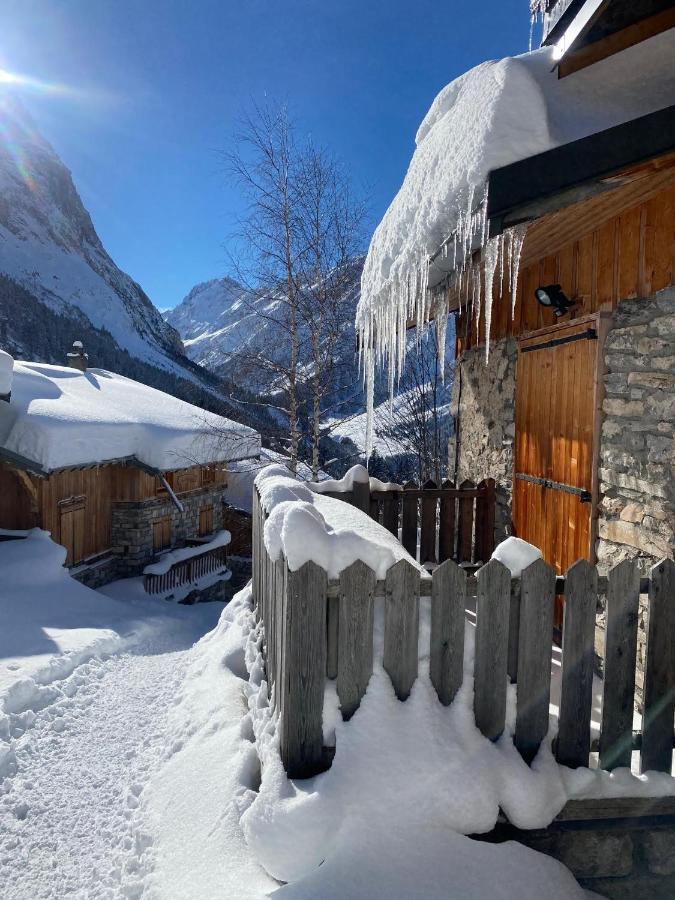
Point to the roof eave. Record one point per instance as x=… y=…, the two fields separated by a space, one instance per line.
x=532 y=187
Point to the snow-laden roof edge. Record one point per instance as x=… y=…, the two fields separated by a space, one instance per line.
x=61 y=418
x=496 y=114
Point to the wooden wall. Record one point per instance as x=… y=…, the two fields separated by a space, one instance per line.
x=27 y=501
x=600 y=251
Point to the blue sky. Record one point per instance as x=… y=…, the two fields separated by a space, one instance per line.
x=157 y=86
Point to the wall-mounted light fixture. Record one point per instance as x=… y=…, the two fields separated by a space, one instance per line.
x=553 y=297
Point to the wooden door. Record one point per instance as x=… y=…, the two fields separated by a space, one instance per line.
x=205 y=520
x=557 y=399
x=72 y=522
x=161 y=534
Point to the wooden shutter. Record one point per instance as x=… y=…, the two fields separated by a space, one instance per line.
x=205 y=520
x=72 y=528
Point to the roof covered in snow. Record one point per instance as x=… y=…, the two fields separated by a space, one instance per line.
x=498 y=113
x=60 y=417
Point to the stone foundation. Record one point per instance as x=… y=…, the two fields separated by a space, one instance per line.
x=95 y=573
x=484 y=397
x=617 y=855
x=132 y=522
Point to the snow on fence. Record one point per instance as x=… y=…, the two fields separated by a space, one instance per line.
x=451 y=522
x=317 y=628
x=185 y=571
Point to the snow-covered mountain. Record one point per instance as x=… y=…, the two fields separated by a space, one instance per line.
x=223 y=325
x=50 y=248
x=219 y=319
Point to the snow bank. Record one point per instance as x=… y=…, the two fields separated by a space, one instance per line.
x=222 y=539
x=63 y=417
x=516 y=554
x=304 y=526
x=6 y=372
x=497 y=113
x=210 y=770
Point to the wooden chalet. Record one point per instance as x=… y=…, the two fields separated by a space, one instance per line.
x=574 y=412
x=113 y=514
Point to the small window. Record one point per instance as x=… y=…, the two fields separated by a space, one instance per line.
x=161 y=534
x=205 y=520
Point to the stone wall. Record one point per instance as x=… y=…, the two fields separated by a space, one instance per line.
x=636 y=515
x=132 y=522
x=620 y=858
x=484 y=403
x=636 y=518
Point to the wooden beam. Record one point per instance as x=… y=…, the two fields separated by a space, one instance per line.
x=633 y=34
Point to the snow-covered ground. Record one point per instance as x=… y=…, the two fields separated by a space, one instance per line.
x=133 y=731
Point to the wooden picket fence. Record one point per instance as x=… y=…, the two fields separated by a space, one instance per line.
x=316 y=628
x=452 y=522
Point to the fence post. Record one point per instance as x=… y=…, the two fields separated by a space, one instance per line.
x=576 y=696
x=492 y=634
x=401 y=626
x=355 y=635
x=409 y=519
x=361 y=496
x=304 y=671
x=659 y=705
x=465 y=525
x=623 y=598
x=448 y=600
x=428 y=524
x=537 y=603
x=390 y=512
x=485 y=520
x=446 y=523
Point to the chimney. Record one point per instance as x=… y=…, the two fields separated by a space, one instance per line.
x=6 y=375
x=76 y=357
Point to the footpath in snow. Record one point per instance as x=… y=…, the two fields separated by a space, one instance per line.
x=87 y=687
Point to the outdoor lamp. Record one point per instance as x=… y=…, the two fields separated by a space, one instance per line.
x=553 y=296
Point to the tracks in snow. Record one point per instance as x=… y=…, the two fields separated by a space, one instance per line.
x=68 y=821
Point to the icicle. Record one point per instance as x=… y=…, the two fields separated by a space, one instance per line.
x=517 y=238
x=490 y=257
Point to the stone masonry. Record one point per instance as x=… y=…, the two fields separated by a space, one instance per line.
x=636 y=516
x=637 y=449
x=132 y=522
x=484 y=403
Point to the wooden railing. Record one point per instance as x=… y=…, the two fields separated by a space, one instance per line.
x=186 y=572
x=315 y=628
x=451 y=522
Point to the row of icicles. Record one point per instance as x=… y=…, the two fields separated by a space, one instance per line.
x=383 y=330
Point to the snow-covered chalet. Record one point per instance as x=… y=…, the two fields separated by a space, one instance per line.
x=539 y=211
x=117 y=471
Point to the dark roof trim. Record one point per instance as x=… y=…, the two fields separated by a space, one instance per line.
x=560 y=14
x=532 y=187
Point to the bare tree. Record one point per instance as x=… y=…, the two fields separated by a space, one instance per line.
x=417 y=423
x=296 y=251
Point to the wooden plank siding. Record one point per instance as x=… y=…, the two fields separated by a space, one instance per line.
x=28 y=501
x=597 y=254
